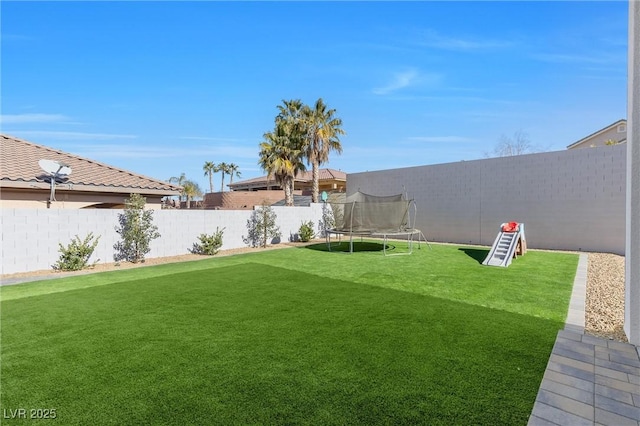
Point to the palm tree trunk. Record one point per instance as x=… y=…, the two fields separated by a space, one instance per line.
x=315 y=187
x=210 y=182
x=222 y=183
x=288 y=193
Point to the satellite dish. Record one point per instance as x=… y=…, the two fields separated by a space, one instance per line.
x=55 y=168
x=56 y=171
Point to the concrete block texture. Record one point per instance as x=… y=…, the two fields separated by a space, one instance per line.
x=568 y=200
x=31 y=238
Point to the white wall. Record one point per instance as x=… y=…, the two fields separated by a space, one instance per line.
x=572 y=200
x=632 y=287
x=30 y=237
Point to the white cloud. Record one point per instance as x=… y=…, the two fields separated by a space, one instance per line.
x=435 y=40
x=32 y=118
x=400 y=81
x=70 y=135
x=214 y=152
x=209 y=139
x=571 y=58
x=408 y=78
x=123 y=151
x=440 y=139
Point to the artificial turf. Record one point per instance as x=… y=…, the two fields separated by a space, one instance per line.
x=295 y=336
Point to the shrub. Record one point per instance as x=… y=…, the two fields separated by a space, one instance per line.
x=75 y=256
x=261 y=226
x=209 y=244
x=305 y=233
x=136 y=229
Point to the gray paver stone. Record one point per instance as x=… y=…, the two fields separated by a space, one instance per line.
x=575 y=382
x=566 y=404
x=568 y=391
x=615 y=394
x=616 y=384
x=617 y=407
x=571 y=371
x=615 y=366
x=558 y=416
x=568 y=353
x=614 y=374
x=605 y=417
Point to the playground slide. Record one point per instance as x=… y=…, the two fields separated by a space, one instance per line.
x=504 y=246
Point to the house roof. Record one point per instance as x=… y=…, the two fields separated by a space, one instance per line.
x=594 y=134
x=19 y=168
x=306 y=176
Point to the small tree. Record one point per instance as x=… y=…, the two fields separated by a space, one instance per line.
x=261 y=226
x=136 y=229
x=328 y=220
x=508 y=146
x=75 y=256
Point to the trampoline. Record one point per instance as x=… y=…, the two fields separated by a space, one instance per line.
x=366 y=215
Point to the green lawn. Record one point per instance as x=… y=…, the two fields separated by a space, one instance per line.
x=295 y=336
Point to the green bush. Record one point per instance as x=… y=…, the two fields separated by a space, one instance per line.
x=306 y=233
x=209 y=244
x=75 y=256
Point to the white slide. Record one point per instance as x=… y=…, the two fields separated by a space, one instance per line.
x=504 y=247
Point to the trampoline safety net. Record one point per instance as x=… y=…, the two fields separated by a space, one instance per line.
x=371 y=214
x=377 y=216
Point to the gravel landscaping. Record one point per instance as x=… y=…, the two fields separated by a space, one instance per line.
x=604 y=310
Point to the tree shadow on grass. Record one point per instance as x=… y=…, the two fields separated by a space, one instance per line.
x=477 y=254
x=343 y=247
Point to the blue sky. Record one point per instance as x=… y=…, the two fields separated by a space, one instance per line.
x=159 y=88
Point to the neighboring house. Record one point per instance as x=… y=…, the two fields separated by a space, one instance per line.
x=329 y=180
x=23 y=184
x=616 y=132
x=252 y=192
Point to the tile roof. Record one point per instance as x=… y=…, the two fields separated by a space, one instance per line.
x=307 y=176
x=19 y=168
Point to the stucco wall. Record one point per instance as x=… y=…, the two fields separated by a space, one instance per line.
x=573 y=199
x=30 y=237
x=632 y=286
x=616 y=133
x=242 y=200
x=27 y=199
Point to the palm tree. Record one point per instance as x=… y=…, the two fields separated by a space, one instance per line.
x=223 y=168
x=233 y=170
x=191 y=190
x=209 y=168
x=323 y=129
x=281 y=152
x=180 y=182
x=282 y=159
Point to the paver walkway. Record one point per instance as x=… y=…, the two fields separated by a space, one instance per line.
x=588 y=380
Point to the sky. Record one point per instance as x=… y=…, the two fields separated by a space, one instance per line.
x=160 y=88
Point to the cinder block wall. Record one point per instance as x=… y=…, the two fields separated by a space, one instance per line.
x=568 y=200
x=30 y=237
